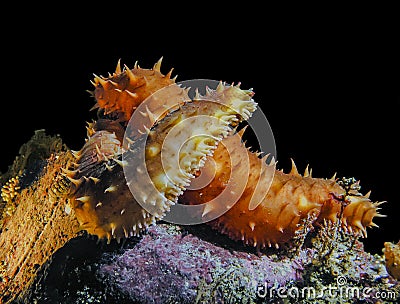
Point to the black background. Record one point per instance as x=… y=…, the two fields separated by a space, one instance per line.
x=330 y=94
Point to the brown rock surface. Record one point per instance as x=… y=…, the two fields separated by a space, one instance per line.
x=34 y=223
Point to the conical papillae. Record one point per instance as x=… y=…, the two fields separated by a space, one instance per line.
x=291 y=199
x=288 y=201
x=123 y=91
x=102 y=199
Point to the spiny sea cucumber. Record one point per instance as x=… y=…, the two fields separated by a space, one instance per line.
x=260 y=218
x=123 y=91
x=101 y=198
x=279 y=213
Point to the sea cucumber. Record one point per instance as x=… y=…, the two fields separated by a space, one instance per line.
x=278 y=212
x=101 y=198
x=122 y=92
x=273 y=207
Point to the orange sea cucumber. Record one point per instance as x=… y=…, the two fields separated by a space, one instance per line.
x=123 y=91
x=259 y=218
x=101 y=198
x=280 y=211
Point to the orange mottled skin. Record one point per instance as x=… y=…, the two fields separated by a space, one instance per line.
x=100 y=197
x=126 y=89
x=290 y=200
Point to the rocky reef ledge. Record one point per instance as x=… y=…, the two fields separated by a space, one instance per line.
x=193 y=264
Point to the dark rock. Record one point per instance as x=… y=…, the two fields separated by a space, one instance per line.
x=171 y=264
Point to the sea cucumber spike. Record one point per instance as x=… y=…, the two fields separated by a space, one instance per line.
x=118 y=68
x=168 y=75
x=110 y=189
x=126 y=234
x=207 y=209
x=121 y=163
x=131 y=94
x=306 y=172
x=252 y=225
x=94 y=179
x=99 y=80
x=374 y=225
x=197 y=95
x=68 y=172
x=96 y=105
x=157 y=65
x=112 y=226
x=378 y=203
x=108 y=167
x=241 y=131
x=89 y=131
x=133 y=79
x=357 y=223
x=146 y=129
x=294 y=168
x=83 y=199
x=112 y=82
x=76 y=154
x=76 y=182
x=208 y=91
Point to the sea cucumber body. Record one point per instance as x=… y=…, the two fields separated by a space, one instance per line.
x=285 y=205
x=263 y=207
x=107 y=172
x=123 y=91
